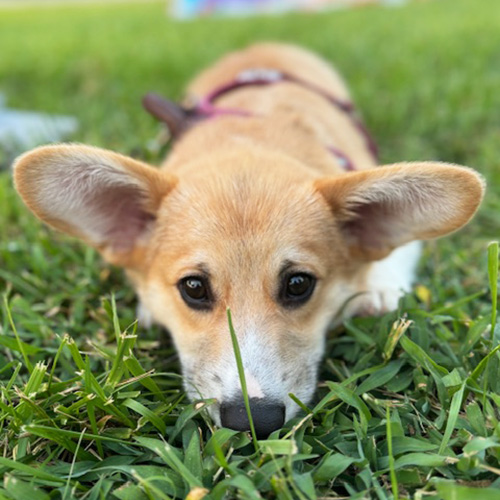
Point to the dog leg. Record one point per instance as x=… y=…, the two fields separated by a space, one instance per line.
x=388 y=280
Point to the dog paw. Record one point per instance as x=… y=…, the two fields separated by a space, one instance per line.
x=376 y=302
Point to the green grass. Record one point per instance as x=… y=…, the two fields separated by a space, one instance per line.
x=91 y=407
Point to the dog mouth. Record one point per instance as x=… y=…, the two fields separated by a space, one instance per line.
x=268 y=413
x=269 y=402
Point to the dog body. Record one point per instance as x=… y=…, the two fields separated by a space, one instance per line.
x=255 y=210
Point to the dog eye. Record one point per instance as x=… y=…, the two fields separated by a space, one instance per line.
x=297 y=289
x=195 y=292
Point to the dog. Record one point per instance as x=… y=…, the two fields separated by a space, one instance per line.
x=270 y=203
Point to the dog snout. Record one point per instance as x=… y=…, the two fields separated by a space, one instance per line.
x=267 y=415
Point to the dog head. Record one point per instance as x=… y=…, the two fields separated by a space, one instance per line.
x=283 y=250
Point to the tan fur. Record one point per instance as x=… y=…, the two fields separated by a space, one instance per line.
x=239 y=197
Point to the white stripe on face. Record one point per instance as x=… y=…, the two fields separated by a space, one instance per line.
x=253 y=387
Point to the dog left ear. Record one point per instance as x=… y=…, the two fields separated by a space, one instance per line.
x=380 y=209
x=108 y=200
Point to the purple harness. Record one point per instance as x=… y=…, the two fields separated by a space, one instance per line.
x=178 y=119
x=206 y=107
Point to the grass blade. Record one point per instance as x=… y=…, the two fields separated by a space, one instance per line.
x=455 y=406
x=394 y=480
x=30 y=471
x=22 y=350
x=241 y=373
x=493 y=279
x=168 y=455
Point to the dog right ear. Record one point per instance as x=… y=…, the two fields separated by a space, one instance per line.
x=380 y=209
x=108 y=200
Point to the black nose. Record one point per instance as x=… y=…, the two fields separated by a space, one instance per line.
x=267 y=416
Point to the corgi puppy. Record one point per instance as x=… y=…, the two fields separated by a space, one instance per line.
x=270 y=203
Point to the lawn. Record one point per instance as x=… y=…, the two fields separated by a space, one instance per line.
x=404 y=408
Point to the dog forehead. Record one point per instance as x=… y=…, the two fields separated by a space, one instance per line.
x=242 y=206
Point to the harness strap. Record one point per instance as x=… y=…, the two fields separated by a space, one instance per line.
x=342 y=158
x=206 y=107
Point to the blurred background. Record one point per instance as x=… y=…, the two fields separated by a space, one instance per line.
x=424 y=73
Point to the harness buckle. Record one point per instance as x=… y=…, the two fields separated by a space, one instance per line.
x=259 y=74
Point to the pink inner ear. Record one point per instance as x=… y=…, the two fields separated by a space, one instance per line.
x=119 y=215
x=375 y=225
